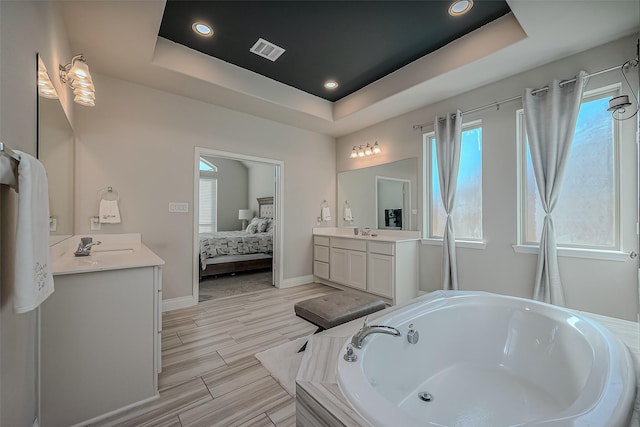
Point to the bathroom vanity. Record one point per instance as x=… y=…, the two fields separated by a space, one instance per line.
x=384 y=263
x=100 y=330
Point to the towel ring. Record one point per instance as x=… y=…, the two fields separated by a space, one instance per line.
x=108 y=194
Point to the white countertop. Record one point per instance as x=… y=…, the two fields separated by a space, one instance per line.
x=378 y=235
x=117 y=251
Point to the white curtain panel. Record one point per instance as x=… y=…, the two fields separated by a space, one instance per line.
x=550 y=118
x=448 y=147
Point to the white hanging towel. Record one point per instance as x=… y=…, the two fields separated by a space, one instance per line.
x=109 y=212
x=325 y=214
x=33 y=281
x=347 y=214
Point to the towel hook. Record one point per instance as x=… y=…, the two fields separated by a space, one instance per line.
x=108 y=193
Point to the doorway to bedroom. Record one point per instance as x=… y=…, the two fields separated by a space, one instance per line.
x=237 y=226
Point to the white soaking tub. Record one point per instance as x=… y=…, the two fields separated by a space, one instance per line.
x=490 y=360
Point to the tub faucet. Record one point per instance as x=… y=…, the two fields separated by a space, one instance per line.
x=358 y=339
x=84 y=247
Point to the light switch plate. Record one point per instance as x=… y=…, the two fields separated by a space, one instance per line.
x=180 y=207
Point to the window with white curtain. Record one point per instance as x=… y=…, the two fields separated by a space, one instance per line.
x=467 y=213
x=208 y=204
x=587 y=213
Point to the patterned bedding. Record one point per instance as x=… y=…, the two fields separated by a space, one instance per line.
x=233 y=243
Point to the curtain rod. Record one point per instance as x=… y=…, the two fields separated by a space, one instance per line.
x=631 y=62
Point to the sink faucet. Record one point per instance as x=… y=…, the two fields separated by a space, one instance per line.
x=365 y=231
x=84 y=247
x=358 y=339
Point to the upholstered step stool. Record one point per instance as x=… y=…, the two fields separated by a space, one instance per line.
x=337 y=308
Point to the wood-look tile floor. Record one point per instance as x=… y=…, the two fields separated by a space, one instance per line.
x=210 y=376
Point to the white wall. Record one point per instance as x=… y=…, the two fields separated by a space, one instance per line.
x=261 y=184
x=606 y=287
x=141 y=141
x=233 y=182
x=26 y=27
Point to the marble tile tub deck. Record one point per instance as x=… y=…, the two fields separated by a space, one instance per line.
x=318 y=393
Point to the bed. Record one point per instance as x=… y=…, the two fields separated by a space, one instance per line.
x=236 y=251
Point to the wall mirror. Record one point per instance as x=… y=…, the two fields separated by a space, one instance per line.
x=382 y=196
x=55 y=149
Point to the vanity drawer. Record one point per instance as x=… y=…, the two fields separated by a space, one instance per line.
x=351 y=244
x=321 y=269
x=382 y=248
x=321 y=253
x=321 y=240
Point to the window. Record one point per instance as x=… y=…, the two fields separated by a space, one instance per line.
x=208 y=191
x=467 y=213
x=586 y=215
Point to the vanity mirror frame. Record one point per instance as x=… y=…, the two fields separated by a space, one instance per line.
x=55 y=148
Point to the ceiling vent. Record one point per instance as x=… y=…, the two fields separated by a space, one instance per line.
x=267 y=49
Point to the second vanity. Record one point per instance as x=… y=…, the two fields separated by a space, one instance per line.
x=100 y=330
x=383 y=263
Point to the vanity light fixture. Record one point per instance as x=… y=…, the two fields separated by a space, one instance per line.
x=460 y=7
x=376 y=148
x=359 y=151
x=76 y=75
x=45 y=87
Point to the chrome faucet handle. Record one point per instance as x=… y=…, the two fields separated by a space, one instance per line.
x=366 y=321
x=350 y=356
x=412 y=336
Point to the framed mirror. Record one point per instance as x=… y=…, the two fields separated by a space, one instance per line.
x=55 y=149
x=382 y=196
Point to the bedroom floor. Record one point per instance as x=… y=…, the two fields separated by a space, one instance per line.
x=226 y=285
x=210 y=374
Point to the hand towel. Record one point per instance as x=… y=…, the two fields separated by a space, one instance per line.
x=8 y=172
x=109 y=212
x=325 y=214
x=347 y=214
x=33 y=281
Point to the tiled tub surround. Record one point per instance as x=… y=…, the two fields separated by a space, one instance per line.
x=100 y=330
x=320 y=401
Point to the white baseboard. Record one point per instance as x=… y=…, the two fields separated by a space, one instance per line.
x=296 y=281
x=180 y=302
x=116 y=411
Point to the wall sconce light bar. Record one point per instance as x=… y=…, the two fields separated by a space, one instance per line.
x=76 y=75
x=45 y=87
x=359 y=151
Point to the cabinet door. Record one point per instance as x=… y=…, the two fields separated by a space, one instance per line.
x=357 y=269
x=381 y=274
x=338 y=266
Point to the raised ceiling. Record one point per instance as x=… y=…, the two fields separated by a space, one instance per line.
x=353 y=43
x=120 y=40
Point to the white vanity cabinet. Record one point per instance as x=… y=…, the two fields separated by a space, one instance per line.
x=384 y=267
x=100 y=336
x=321 y=257
x=348 y=262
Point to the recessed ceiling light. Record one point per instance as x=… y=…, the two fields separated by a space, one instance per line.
x=202 y=29
x=460 y=7
x=331 y=84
